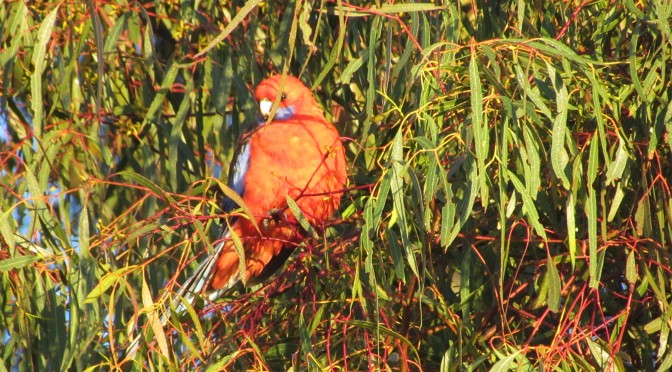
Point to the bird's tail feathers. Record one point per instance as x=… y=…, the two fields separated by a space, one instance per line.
x=187 y=294
x=217 y=293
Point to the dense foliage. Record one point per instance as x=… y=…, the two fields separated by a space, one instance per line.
x=509 y=201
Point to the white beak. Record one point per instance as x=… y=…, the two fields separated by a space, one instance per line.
x=265 y=106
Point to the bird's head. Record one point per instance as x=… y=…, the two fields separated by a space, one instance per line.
x=295 y=97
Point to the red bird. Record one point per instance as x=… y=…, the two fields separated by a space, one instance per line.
x=297 y=154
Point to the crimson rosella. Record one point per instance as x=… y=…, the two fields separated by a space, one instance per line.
x=296 y=154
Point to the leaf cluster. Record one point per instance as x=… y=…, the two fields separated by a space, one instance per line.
x=509 y=201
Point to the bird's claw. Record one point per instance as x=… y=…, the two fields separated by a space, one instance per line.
x=275 y=215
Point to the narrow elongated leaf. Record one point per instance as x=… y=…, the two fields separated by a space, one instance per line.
x=174 y=144
x=248 y=7
x=84 y=232
x=154 y=322
x=39 y=61
x=506 y=364
x=532 y=93
x=466 y=204
x=338 y=47
x=224 y=361
x=107 y=281
x=571 y=227
x=559 y=156
x=114 y=33
x=554 y=286
x=617 y=166
x=300 y=216
x=55 y=234
x=631 y=268
x=480 y=128
x=591 y=214
x=17 y=262
x=367 y=232
x=145 y=182
x=240 y=251
x=158 y=101
x=396 y=188
x=533 y=179
x=528 y=204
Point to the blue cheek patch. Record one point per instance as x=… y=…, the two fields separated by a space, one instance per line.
x=284 y=113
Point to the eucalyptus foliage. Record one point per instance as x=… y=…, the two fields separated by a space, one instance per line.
x=509 y=202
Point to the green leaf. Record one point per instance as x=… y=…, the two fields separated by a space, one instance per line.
x=466 y=204
x=247 y=8
x=39 y=61
x=384 y=331
x=643 y=221
x=296 y=211
x=616 y=200
x=528 y=204
x=115 y=32
x=631 y=268
x=17 y=262
x=532 y=93
x=338 y=47
x=174 y=144
x=559 y=156
x=571 y=227
x=223 y=361
x=397 y=255
x=240 y=251
x=154 y=320
x=159 y=98
x=396 y=187
x=107 y=281
x=146 y=182
x=602 y=356
x=532 y=149
x=447 y=222
x=480 y=129
x=368 y=231
x=591 y=214
x=51 y=225
x=617 y=166
x=554 y=285
x=7 y=230
x=352 y=67
x=84 y=232
x=506 y=364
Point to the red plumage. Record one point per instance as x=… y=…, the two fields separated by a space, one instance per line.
x=297 y=154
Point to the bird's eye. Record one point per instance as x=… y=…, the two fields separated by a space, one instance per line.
x=283 y=96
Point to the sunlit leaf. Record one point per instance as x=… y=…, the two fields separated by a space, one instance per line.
x=554 y=286
x=17 y=262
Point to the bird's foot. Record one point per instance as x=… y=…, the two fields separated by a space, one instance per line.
x=275 y=215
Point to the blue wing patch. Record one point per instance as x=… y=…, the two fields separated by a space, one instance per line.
x=241 y=160
x=237 y=171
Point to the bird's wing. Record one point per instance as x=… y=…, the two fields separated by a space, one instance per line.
x=237 y=171
x=201 y=278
